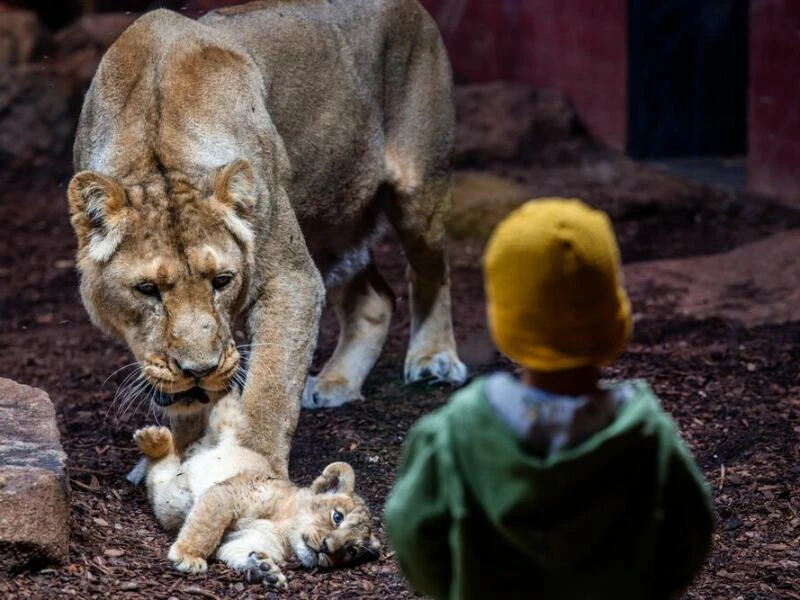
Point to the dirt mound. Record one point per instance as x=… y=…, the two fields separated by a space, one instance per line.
x=503 y=122
x=480 y=201
x=755 y=284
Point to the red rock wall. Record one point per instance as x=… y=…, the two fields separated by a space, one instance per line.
x=773 y=160
x=577 y=46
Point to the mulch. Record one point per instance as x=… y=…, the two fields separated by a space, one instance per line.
x=734 y=392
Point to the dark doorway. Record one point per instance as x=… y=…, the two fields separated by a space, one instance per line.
x=687 y=78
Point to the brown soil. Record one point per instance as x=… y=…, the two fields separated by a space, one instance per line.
x=734 y=392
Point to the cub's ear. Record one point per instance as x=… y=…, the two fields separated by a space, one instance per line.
x=97 y=212
x=235 y=188
x=337 y=478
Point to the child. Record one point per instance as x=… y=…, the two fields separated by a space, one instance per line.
x=555 y=485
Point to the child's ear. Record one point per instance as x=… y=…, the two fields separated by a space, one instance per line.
x=337 y=478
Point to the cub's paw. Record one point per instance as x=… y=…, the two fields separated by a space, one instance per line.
x=328 y=393
x=186 y=562
x=439 y=368
x=261 y=567
x=154 y=442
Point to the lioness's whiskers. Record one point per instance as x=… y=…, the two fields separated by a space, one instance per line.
x=151 y=400
x=120 y=392
x=128 y=366
x=132 y=393
x=123 y=391
x=152 y=409
x=127 y=396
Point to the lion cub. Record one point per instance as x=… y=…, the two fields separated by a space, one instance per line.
x=221 y=500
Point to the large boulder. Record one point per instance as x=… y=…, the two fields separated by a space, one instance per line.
x=503 y=121
x=94 y=32
x=23 y=39
x=37 y=113
x=34 y=507
x=40 y=101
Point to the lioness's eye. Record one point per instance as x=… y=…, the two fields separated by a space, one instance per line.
x=148 y=288
x=337 y=517
x=220 y=281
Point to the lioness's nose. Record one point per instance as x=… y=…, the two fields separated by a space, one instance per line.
x=195 y=370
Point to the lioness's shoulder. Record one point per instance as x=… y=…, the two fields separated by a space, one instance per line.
x=154 y=34
x=380 y=10
x=162 y=22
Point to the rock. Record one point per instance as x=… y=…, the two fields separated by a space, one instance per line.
x=755 y=284
x=40 y=102
x=23 y=39
x=34 y=507
x=78 y=68
x=503 y=121
x=38 y=113
x=480 y=201
x=93 y=31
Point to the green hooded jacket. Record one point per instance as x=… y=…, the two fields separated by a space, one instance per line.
x=624 y=514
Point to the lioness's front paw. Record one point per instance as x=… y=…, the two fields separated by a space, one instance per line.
x=441 y=367
x=154 y=442
x=185 y=561
x=328 y=393
x=261 y=567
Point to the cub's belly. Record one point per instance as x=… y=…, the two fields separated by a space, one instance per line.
x=215 y=465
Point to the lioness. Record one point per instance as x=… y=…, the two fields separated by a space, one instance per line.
x=223 y=492
x=232 y=165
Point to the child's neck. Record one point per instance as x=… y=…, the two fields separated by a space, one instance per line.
x=568 y=382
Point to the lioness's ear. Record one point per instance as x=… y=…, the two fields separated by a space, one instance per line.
x=97 y=212
x=235 y=188
x=337 y=478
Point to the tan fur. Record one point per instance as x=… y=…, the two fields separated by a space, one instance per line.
x=268 y=143
x=224 y=500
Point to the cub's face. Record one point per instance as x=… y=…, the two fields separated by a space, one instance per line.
x=337 y=527
x=168 y=272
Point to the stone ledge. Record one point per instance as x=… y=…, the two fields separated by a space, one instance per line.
x=34 y=488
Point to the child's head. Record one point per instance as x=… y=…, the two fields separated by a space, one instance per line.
x=554 y=289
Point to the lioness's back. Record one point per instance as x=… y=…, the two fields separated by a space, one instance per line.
x=345 y=79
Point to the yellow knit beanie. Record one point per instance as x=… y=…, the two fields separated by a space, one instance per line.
x=554 y=289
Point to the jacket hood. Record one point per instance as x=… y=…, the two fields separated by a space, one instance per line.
x=559 y=509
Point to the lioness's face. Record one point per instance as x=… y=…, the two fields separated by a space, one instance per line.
x=167 y=272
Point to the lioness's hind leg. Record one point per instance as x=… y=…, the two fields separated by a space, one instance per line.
x=420 y=130
x=154 y=442
x=418 y=212
x=364 y=307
